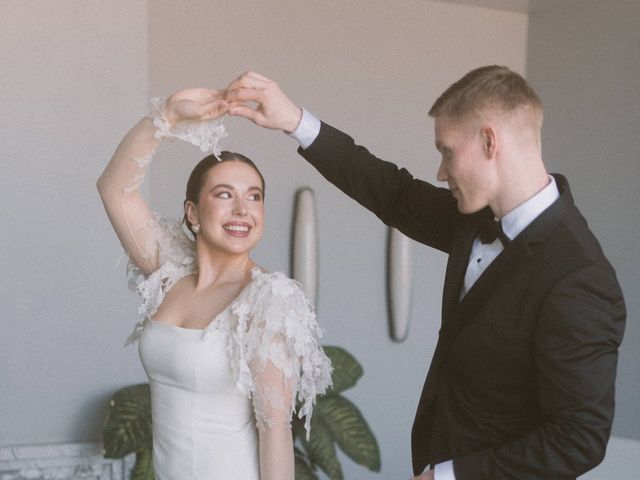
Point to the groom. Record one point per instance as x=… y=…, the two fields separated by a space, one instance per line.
x=521 y=384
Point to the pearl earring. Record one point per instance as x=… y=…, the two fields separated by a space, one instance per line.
x=195 y=228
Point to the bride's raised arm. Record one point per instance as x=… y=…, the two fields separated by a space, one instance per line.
x=180 y=116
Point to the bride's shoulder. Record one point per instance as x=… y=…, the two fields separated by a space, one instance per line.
x=272 y=296
x=276 y=284
x=176 y=260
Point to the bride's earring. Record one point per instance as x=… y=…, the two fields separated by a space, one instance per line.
x=195 y=228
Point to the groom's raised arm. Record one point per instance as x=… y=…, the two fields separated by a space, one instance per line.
x=418 y=209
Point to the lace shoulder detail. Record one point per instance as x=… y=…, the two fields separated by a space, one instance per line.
x=176 y=257
x=274 y=322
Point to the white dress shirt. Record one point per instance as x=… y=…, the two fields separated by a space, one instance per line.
x=481 y=255
x=308 y=129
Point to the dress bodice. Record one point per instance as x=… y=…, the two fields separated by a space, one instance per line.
x=203 y=425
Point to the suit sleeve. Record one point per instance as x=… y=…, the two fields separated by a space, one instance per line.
x=419 y=210
x=576 y=344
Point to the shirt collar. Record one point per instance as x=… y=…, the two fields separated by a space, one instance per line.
x=520 y=217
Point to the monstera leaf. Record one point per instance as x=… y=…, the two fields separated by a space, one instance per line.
x=346 y=369
x=337 y=421
x=303 y=470
x=143 y=469
x=349 y=430
x=127 y=428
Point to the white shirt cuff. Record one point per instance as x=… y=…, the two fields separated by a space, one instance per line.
x=308 y=129
x=444 y=471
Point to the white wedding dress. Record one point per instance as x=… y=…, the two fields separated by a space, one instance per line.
x=215 y=390
x=222 y=397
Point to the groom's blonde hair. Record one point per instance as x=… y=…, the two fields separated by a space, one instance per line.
x=489 y=88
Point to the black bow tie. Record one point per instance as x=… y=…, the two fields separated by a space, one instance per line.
x=489 y=230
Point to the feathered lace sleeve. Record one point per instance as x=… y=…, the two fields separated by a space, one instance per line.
x=203 y=134
x=176 y=257
x=275 y=348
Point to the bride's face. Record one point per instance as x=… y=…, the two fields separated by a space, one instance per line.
x=230 y=208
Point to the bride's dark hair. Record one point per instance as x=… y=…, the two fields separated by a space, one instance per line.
x=199 y=173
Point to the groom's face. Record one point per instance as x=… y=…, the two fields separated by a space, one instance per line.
x=462 y=165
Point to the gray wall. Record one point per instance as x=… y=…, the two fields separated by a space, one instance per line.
x=72 y=74
x=584 y=60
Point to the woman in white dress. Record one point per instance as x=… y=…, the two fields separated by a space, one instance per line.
x=228 y=348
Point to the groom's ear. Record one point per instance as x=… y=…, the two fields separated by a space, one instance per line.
x=489 y=141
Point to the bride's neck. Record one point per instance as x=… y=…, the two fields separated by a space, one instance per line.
x=219 y=267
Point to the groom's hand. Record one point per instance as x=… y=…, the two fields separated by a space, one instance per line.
x=260 y=100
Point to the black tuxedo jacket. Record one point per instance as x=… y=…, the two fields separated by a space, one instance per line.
x=521 y=385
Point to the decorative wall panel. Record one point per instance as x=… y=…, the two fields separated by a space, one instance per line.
x=399 y=284
x=305 y=248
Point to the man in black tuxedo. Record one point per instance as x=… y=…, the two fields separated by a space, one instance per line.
x=521 y=385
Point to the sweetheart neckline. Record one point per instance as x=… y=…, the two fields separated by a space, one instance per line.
x=255 y=273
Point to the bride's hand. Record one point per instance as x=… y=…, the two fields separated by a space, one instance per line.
x=195 y=104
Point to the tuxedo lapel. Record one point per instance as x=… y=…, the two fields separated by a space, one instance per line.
x=454 y=277
x=501 y=270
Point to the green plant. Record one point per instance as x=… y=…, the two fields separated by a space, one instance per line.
x=127 y=429
x=335 y=420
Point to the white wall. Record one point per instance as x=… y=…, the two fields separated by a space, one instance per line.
x=584 y=60
x=73 y=76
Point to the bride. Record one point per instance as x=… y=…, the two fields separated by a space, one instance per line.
x=227 y=347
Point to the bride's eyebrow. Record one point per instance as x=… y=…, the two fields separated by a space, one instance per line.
x=256 y=188
x=231 y=187
x=221 y=185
